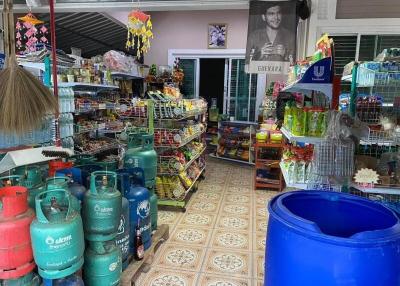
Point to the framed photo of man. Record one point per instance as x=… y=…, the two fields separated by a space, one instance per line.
x=271 y=38
x=217 y=36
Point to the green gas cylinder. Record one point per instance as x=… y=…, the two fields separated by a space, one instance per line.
x=142 y=156
x=60 y=182
x=103 y=264
x=30 y=279
x=102 y=207
x=57 y=234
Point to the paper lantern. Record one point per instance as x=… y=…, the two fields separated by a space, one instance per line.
x=139 y=32
x=28 y=35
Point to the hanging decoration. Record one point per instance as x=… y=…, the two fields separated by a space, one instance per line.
x=139 y=32
x=30 y=31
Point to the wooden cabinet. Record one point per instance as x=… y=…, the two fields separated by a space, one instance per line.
x=267 y=171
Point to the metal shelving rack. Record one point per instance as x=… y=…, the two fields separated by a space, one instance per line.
x=376 y=93
x=239 y=136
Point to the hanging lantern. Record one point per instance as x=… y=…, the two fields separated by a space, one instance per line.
x=139 y=32
x=28 y=34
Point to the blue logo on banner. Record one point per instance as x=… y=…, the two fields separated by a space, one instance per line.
x=319 y=72
x=2 y=60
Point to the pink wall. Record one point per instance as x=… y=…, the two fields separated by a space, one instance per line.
x=188 y=30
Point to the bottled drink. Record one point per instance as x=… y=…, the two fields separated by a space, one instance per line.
x=139 y=247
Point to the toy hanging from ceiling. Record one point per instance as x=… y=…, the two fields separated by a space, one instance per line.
x=30 y=31
x=139 y=32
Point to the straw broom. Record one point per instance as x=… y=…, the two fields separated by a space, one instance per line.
x=24 y=100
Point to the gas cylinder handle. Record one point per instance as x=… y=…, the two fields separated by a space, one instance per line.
x=147 y=141
x=49 y=180
x=96 y=174
x=38 y=204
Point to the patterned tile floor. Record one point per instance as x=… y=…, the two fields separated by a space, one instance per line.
x=220 y=239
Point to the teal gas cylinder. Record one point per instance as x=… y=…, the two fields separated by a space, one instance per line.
x=102 y=207
x=12 y=180
x=60 y=182
x=103 y=265
x=32 y=175
x=153 y=209
x=122 y=239
x=30 y=279
x=141 y=154
x=57 y=234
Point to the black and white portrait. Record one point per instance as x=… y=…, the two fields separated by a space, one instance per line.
x=217 y=36
x=271 y=39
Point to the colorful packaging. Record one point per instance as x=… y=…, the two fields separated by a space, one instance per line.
x=298 y=122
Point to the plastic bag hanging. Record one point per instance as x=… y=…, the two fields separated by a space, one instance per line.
x=139 y=32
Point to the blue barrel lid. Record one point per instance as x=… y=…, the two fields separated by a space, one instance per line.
x=338 y=217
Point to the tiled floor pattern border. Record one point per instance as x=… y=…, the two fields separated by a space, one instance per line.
x=220 y=239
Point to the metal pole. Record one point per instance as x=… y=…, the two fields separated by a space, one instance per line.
x=353 y=93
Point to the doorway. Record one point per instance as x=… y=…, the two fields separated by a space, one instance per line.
x=212 y=81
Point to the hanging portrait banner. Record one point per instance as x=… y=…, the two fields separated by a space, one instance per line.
x=271 y=37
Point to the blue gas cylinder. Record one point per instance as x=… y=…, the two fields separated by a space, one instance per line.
x=73 y=280
x=331 y=239
x=139 y=208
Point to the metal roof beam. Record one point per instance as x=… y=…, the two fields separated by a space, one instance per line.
x=100 y=6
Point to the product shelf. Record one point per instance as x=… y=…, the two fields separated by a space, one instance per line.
x=231 y=159
x=318 y=77
x=180 y=203
x=187 y=165
x=304 y=139
x=106 y=147
x=87 y=85
x=183 y=142
x=302 y=186
x=125 y=75
x=377 y=189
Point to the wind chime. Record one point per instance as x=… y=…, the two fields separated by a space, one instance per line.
x=30 y=31
x=139 y=32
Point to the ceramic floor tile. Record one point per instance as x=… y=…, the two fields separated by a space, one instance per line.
x=203 y=206
x=234 y=222
x=216 y=178
x=166 y=277
x=239 y=190
x=191 y=235
x=260 y=224
x=259 y=239
x=218 y=280
x=228 y=263
x=237 y=199
x=231 y=239
x=198 y=219
x=168 y=217
x=258 y=283
x=248 y=182
x=179 y=256
x=235 y=209
x=211 y=188
x=258 y=260
x=208 y=196
x=261 y=211
x=261 y=201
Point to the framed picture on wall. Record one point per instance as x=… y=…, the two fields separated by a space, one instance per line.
x=217 y=36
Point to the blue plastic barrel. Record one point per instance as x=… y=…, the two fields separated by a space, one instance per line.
x=331 y=239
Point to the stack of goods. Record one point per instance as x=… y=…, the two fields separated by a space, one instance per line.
x=307 y=121
x=234 y=141
x=176 y=187
x=165 y=74
x=89 y=145
x=268 y=132
x=175 y=161
x=119 y=62
x=368 y=107
x=164 y=137
x=297 y=163
x=324 y=49
x=43 y=51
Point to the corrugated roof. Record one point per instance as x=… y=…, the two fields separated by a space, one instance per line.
x=94 y=33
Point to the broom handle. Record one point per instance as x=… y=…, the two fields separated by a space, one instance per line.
x=11 y=31
x=6 y=13
x=54 y=68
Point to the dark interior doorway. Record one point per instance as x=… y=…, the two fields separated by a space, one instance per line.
x=212 y=76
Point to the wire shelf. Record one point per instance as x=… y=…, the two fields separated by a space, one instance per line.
x=170 y=165
x=176 y=138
